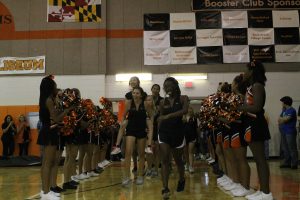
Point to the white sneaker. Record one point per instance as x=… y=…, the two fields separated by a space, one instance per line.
x=92 y=174
x=253 y=194
x=211 y=161
x=105 y=163
x=139 y=180
x=262 y=196
x=50 y=196
x=240 y=192
x=126 y=181
x=115 y=151
x=191 y=169
x=80 y=176
x=74 y=178
x=231 y=186
x=148 y=150
x=55 y=194
x=186 y=167
x=222 y=179
x=227 y=182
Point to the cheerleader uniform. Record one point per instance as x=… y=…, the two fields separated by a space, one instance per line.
x=136 y=126
x=190 y=130
x=155 y=124
x=256 y=126
x=48 y=135
x=236 y=134
x=171 y=130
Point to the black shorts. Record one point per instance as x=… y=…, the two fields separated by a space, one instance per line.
x=190 y=137
x=175 y=140
x=136 y=133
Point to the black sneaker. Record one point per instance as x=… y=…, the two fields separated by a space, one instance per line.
x=99 y=170
x=68 y=185
x=294 y=167
x=53 y=189
x=74 y=183
x=165 y=193
x=59 y=189
x=180 y=185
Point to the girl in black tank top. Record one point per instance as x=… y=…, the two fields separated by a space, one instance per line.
x=136 y=132
x=170 y=134
x=48 y=137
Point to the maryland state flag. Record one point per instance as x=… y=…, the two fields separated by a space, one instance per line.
x=74 y=10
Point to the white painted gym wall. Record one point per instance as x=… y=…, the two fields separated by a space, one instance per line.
x=24 y=90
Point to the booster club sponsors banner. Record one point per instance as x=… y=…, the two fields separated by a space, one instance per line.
x=29 y=65
x=244 y=4
x=236 y=36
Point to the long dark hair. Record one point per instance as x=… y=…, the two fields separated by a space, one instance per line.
x=177 y=91
x=155 y=85
x=241 y=84
x=47 y=88
x=140 y=89
x=5 y=119
x=258 y=72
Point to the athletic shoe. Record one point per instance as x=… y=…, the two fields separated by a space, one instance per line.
x=115 y=151
x=56 y=193
x=98 y=170
x=92 y=174
x=191 y=169
x=180 y=185
x=139 y=180
x=262 y=196
x=81 y=176
x=148 y=150
x=253 y=194
x=59 y=189
x=148 y=174
x=126 y=181
x=186 y=167
x=49 y=196
x=68 y=185
x=74 y=178
x=105 y=163
x=165 y=193
x=231 y=186
x=74 y=183
x=240 y=192
x=211 y=161
x=154 y=173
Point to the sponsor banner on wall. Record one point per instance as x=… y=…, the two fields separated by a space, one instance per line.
x=157 y=22
x=234 y=19
x=179 y=21
x=286 y=35
x=74 y=11
x=183 y=38
x=18 y=65
x=206 y=55
x=260 y=36
x=260 y=19
x=236 y=54
x=209 y=37
x=287 y=53
x=235 y=36
x=287 y=18
x=156 y=39
x=262 y=53
x=183 y=55
x=157 y=56
x=243 y=4
x=208 y=20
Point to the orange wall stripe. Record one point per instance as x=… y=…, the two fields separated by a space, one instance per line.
x=68 y=34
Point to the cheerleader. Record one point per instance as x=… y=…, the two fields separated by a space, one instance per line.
x=257 y=130
x=138 y=113
x=190 y=134
x=170 y=134
x=49 y=134
x=154 y=158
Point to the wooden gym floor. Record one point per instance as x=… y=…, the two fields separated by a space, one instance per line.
x=24 y=183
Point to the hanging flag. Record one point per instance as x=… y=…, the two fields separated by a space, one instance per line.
x=74 y=10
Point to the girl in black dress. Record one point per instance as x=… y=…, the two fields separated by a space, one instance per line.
x=257 y=130
x=49 y=134
x=170 y=134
